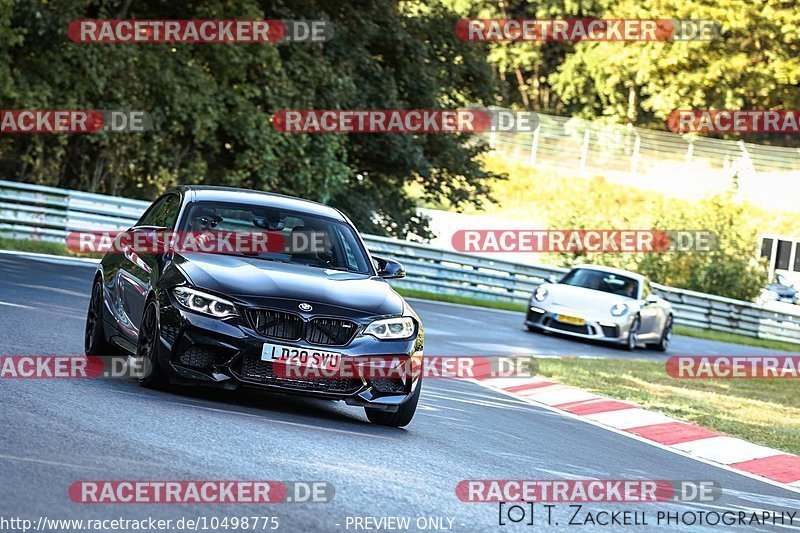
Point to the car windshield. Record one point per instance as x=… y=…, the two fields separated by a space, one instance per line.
x=602 y=281
x=309 y=239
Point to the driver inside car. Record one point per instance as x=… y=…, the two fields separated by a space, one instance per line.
x=203 y=224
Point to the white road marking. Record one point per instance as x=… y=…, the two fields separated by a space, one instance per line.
x=49 y=463
x=9 y=304
x=53 y=289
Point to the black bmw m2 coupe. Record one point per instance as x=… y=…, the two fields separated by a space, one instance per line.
x=235 y=318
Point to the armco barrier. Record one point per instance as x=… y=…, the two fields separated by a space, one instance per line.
x=46 y=213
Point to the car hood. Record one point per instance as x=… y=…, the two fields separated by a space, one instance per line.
x=581 y=299
x=268 y=283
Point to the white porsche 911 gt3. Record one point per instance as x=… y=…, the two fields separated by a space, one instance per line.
x=602 y=303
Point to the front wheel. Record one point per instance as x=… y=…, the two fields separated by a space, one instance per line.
x=153 y=377
x=633 y=335
x=399 y=419
x=666 y=336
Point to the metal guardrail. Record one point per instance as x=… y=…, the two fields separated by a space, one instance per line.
x=598 y=147
x=45 y=213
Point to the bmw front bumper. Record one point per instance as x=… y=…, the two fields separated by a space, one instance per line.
x=201 y=350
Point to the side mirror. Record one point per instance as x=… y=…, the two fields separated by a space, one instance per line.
x=651 y=299
x=389 y=268
x=552 y=278
x=154 y=235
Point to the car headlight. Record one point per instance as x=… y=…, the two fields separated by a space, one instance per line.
x=391 y=328
x=540 y=294
x=619 y=309
x=204 y=303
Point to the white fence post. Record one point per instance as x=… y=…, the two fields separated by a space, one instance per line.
x=585 y=150
x=635 y=157
x=535 y=144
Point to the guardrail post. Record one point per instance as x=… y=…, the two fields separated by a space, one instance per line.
x=535 y=144
x=635 y=157
x=585 y=150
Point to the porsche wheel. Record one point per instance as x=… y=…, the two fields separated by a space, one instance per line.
x=633 y=335
x=666 y=336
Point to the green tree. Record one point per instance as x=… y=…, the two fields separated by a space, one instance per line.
x=755 y=64
x=211 y=105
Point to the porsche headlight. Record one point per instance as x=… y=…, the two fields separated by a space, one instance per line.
x=204 y=303
x=391 y=328
x=619 y=309
x=540 y=294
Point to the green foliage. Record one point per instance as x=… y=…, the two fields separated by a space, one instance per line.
x=729 y=269
x=211 y=105
x=755 y=64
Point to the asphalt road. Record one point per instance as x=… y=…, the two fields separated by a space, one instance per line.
x=55 y=432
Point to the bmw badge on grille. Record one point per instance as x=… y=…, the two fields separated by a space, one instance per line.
x=305 y=307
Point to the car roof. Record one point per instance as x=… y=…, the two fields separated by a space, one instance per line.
x=209 y=193
x=612 y=270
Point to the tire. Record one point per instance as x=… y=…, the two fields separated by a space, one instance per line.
x=95 y=342
x=666 y=336
x=633 y=335
x=147 y=347
x=399 y=419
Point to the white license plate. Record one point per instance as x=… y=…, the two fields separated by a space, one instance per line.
x=303 y=357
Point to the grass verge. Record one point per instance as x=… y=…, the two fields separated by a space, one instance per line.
x=687 y=331
x=763 y=411
x=723 y=336
x=41 y=247
x=465 y=300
